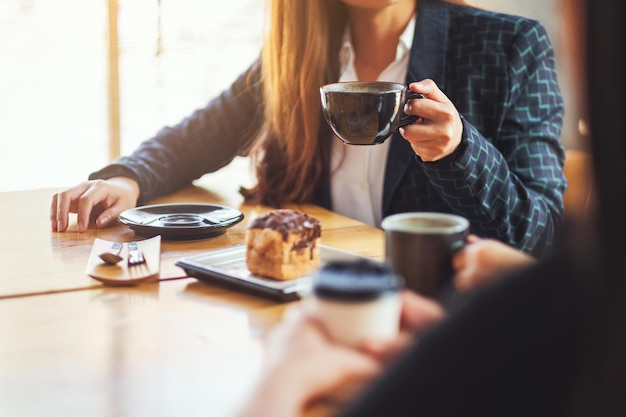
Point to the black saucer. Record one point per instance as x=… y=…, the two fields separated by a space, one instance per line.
x=181 y=221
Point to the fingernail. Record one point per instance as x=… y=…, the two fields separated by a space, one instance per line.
x=407 y=108
x=102 y=221
x=59 y=225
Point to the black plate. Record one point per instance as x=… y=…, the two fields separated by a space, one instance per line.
x=181 y=221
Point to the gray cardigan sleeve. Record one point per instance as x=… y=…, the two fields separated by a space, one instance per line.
x=204 y=142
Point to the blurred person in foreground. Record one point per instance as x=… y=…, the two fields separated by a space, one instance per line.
x=548 y=340
x=486 y=147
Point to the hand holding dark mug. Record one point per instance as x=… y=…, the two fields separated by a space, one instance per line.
x=366 y=113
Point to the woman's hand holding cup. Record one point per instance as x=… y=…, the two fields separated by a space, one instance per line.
x=438 y=131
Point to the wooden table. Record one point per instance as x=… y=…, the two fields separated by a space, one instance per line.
x=70 y=346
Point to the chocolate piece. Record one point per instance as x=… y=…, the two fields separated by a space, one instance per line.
x=286 y=221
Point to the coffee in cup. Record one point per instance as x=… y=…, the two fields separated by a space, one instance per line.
x=420 y=245
x=366 y=113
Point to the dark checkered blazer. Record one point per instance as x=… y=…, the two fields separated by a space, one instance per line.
x=506 y=177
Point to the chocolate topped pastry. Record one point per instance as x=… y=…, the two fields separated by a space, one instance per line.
x=283 y=244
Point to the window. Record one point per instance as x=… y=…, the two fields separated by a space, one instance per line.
x=173 y=55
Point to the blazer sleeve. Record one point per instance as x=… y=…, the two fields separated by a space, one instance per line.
x=511 y=185
x=204 y=142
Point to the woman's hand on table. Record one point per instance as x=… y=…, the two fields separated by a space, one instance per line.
x=102 y=199
x=482 y=261
x=303 y=365
x=438 y=132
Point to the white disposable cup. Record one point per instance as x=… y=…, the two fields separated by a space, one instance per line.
x=357 y=301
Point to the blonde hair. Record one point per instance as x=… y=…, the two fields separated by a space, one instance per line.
x=299 y=55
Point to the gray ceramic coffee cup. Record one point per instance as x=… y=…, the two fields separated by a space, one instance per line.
x=419 y=246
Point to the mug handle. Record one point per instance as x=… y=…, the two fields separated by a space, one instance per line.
x=406 y=119
x=458 y=245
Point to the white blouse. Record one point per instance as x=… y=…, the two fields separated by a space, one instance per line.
x=358 y=172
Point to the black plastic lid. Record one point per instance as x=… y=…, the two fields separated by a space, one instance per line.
x=359 y=280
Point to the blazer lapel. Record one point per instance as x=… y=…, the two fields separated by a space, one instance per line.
x=427 y=60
